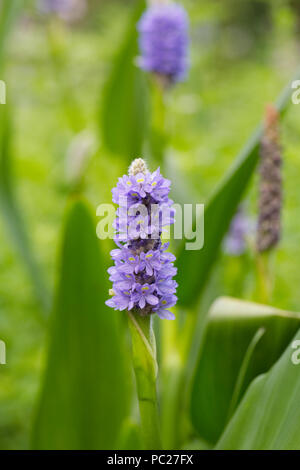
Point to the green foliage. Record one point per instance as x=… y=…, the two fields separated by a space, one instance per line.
x=227 y=364
x=12 y=214
x=10 y=207
x=268 y=416
x=200 y=124
x=218 y=214
x=124 y=109
x=85 y=395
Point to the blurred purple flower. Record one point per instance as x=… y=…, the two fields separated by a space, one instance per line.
x=143 y=271
x=68 y=10
x=163 y=41
x=235 y=241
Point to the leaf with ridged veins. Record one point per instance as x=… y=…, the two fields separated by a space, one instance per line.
x=268 y=416
x=242 y=340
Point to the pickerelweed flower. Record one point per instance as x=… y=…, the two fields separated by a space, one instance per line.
x=143 y=271
x=163 y=41
x=270 y=191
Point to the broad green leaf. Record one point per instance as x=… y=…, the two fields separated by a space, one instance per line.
x=269 y=414
x=241 y=341
x=85 y=394
x=12 y=213
x=124 y=109
x=194 y=266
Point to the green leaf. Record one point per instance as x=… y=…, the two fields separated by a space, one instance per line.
x=269 y=414
x=85 y=395
x=194 y=266
x=241 y=341
x=130 y=436
x=12 y=213
x=125 y=101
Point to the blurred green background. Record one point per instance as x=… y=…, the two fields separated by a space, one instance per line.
x=242 y=54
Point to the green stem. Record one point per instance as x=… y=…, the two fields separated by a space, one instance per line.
x=145 y=367
x=263 y=278
x=158 y=137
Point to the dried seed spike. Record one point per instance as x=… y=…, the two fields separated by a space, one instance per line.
x=270 y=191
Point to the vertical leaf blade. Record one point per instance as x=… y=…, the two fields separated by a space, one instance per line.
x=232 y=325
x=12 y=215
x=85 y=394
x=10 y=208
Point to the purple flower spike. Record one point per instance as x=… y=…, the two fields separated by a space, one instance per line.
x=143 y=271
x=163 y=41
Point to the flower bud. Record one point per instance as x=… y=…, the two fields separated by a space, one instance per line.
x=137 y=166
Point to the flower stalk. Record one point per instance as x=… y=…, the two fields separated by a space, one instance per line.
x=145 y=367
x=159 y=131
x=164 y=45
